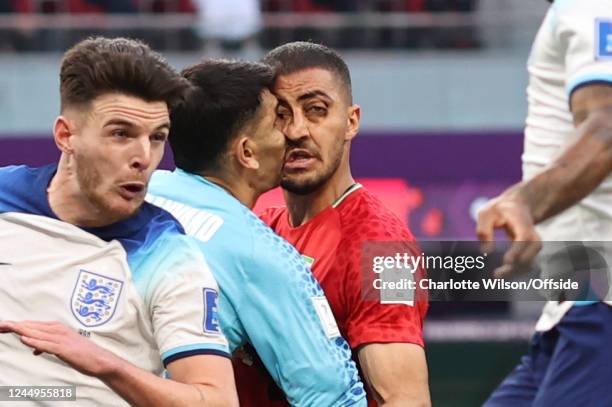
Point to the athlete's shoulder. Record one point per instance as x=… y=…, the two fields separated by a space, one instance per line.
x=364 y=217
x=150 y=225
x=11 y=171
x=578 y=16
x=161 y=248
x=570 y=7
x=23 y=189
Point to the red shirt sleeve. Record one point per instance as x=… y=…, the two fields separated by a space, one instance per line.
x=368 y=320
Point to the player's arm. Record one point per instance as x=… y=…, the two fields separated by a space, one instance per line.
x=202 y=380
x=388 y=337
x=396 y=373
x=575 y=174
x=583 y=165
x=196 y=381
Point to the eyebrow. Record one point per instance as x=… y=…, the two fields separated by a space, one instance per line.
x=282 y=103
x=125 y=123
x=314 y=94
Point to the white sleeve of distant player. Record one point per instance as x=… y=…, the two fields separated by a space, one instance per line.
x=584 y=30
x=183 y=305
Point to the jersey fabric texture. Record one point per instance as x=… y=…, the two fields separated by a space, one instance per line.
x=139 y=288
x=269 y=298
x=573 y=48
x=332 y=241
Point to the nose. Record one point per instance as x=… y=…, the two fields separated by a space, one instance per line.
x=296 y=128
x=141 y=155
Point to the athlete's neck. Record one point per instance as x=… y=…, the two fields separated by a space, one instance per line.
x=236 y=186
x=303 y=208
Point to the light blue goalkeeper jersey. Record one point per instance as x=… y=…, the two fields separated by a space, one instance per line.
x=269 y=297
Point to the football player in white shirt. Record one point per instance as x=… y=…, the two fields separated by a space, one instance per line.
x=567 y=191
x=105 y=289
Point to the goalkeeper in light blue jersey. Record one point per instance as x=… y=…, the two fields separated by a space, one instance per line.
x=228 y=152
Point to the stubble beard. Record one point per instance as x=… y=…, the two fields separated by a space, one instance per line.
x=89 y=180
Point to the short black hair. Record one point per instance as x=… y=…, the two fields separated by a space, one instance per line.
x=224 y=97
x=99 y=65
x=297 y=56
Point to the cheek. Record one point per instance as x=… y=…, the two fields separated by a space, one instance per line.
x=158 y=154
x=276 y=144
x=331 y=147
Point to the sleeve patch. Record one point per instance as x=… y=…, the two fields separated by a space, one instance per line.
x=603 y=33
x=326 y=316
x=211 y=311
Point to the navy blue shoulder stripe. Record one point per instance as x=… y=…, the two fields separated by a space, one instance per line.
x=24 y=190
x=194 y=352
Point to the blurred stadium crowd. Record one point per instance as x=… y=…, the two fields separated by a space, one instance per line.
x=52 y=25
x=189 y=6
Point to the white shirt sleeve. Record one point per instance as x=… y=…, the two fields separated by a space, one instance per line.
x=583 y=29
x=183 y=303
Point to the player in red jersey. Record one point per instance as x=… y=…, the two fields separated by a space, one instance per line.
x=329 y=216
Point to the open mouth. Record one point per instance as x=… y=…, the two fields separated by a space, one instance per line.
x=131 y=190
x=298 y=159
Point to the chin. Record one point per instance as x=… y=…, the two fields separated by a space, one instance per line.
x=125 y=209
x=300 y=186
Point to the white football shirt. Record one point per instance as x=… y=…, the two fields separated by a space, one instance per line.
x=573 y=48
x=139 y=288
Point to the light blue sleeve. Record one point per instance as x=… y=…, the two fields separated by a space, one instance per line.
x=284 y=315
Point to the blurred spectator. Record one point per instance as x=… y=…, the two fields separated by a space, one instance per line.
x=114 y=6
x=6 y=7
x=231 y=22
x=450 y=5
x=453 y=37
x=338 y=5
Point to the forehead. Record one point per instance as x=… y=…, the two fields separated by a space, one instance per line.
x=128 y=107
x=312 y=80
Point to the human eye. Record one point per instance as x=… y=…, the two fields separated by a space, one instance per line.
x=120 y=133
x=282 y=114
x=316 y=109
x=159 y=137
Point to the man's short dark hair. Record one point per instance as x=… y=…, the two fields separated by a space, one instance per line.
x=225 y=96
x=101 y=65
x=297 y=56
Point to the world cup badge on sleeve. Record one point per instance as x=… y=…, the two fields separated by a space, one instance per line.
x=95 y=298
x=603 y=37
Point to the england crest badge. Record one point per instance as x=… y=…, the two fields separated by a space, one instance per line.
x=95 y=298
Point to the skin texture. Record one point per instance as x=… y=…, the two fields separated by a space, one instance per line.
x=386 y=366
x=197 y=381
x=269 y=144
x=109 y=150
x=574 y=175
x=254 y=158
x=319 y=121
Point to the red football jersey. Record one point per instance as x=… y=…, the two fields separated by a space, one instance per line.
x=332 y=241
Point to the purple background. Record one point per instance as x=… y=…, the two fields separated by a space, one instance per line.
x=448 y=170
